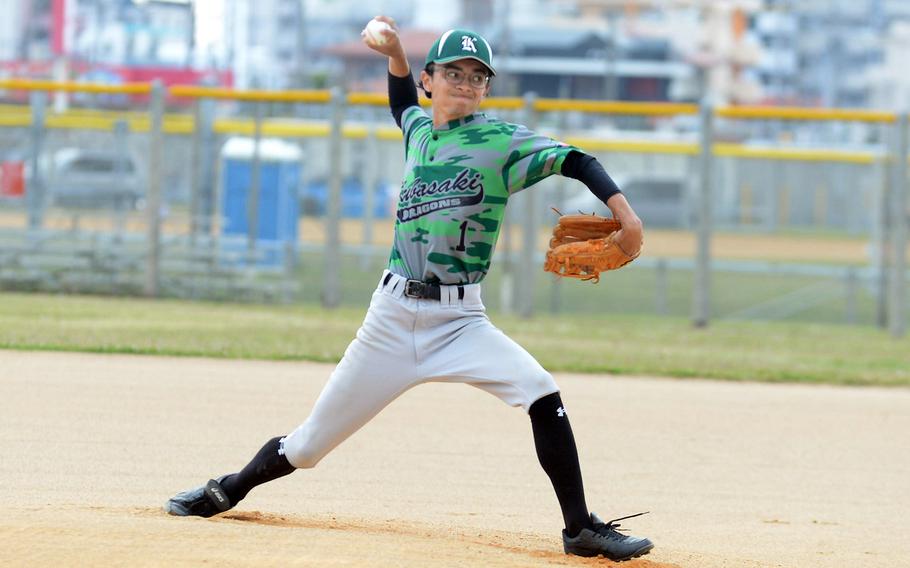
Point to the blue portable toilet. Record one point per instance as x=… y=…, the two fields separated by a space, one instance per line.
x=315 y=197
x=279 y=176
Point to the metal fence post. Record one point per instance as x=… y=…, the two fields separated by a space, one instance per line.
x=370 y=188
x=153 y=199
x=851 y=293
x=897 y=323
x=202 y=197
x=660 y=287
x=252 y=202
x=561 y=183
x=879 y=242
x=504 y=257
x=701 y=297
x=35 y=198
x=331 y=293
x=196 y=170
x=122 y=144
x=524 y=284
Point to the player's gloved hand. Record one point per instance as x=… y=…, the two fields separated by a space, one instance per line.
x=583 y=246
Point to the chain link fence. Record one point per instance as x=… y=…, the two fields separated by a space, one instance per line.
x=290 y=196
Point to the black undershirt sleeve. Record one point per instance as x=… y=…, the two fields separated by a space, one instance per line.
x=587 y=170
x=402 y=95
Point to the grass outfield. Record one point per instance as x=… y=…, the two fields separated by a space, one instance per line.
x=626 y=344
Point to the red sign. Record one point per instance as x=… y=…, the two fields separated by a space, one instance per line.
x=58 y=26
x=12 y=179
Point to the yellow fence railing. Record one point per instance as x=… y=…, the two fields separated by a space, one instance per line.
x=260 y=96
x=175 y=123
x=72 y=87
x=806 y=114
x=509 y=103
x=615 y=107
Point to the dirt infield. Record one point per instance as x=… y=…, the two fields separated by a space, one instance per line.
x=738 y=475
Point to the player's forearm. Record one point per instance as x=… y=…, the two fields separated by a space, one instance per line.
x=402 y=95
x=622 y=211
x=630 y=236
x=398 y=65
x=587 y=170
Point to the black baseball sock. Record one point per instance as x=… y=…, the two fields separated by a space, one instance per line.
x=266 y=466
x=559 y=458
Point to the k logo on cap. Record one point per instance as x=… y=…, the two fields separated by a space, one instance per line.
x=461 y=44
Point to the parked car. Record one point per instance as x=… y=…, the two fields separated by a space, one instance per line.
x=93 y=179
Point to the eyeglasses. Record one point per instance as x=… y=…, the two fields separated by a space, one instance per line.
x=455 y=76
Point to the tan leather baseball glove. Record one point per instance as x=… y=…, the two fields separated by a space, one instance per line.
x=583 y=246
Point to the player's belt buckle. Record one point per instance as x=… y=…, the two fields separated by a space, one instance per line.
x=415 y=289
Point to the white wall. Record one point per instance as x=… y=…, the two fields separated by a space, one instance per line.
x=891 y=82
x=11 y=27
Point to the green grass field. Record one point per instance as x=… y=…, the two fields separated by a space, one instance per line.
x=605 y=343
x=633 y=291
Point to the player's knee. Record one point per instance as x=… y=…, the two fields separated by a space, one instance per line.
x=540 y=386
x=304 y=459
x=301 y=451
x=300 y=458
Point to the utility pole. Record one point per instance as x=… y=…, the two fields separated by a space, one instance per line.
x=302 y=47
x=611 y=80
x=503 y=76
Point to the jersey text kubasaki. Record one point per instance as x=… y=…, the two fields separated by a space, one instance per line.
x=458 y=179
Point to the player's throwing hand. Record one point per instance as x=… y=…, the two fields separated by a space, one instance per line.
x=391 y=45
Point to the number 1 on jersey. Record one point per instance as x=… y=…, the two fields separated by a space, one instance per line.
x=464 y=229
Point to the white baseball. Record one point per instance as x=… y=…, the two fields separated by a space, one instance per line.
x=373 y=31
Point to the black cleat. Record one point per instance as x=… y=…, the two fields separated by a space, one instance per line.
x=604 y=539
x=204 y=501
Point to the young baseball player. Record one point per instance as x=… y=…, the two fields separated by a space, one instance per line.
x=426 y=321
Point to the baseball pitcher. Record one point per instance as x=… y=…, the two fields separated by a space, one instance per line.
x=426 y=320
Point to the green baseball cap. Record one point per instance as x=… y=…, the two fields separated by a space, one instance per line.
x=461 y=44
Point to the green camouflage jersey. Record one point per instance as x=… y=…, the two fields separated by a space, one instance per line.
x=457 y=182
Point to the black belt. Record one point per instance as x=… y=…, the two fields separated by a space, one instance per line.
x=423 y=290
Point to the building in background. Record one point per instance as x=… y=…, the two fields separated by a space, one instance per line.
x=845 y=53
x=102 y=41
x=777 y=28
x=833 y=53
x=602 y=49
x=266 y=42
x=18 y=29
x=125 y=32
x=699 y=47
x=890 y=82
x=281 y=44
